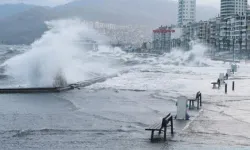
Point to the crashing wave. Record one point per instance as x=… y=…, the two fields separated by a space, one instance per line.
x=60 y=80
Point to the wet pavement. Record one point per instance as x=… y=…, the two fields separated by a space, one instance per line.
x=115 y=113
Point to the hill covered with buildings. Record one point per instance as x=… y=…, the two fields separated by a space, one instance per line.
x=26 y=25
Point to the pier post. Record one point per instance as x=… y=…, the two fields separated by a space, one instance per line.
x=233 y=86
x=226 y=88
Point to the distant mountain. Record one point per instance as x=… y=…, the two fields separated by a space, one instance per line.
x=7 y=10
x=149 y=12
x=146 y=12
x=24 y=27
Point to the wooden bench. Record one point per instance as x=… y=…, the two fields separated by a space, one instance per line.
x=197 y=99
x=162 y=126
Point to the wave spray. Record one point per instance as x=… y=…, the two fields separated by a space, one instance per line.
x=59 y=54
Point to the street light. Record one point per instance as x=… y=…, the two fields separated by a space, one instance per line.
x=240 y=38
x=226 y=38
x=233 y=49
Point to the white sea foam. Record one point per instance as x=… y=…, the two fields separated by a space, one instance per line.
x=60 y=50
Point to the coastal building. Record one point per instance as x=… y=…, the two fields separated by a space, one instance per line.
x=162 y=39
x=214 y=33
x=231 y=7
x=176 y=37
x=234 y=35
x=188 y=34
x=206 y=32
x=186 y=11
x=203 y=31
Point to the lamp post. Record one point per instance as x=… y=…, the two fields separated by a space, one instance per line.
x=233 y=49
x=240 y=37
x=247 y=36
x=226 y=38
x=224 y=41
x=215 y=46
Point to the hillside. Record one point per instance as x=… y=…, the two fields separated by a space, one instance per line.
x=26 y=26
x=8 y=10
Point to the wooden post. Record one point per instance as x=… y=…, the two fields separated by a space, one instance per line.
x=152 y=135
x=225 y=88
x=233 y=86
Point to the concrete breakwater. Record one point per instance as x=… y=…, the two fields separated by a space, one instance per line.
x=59 y=89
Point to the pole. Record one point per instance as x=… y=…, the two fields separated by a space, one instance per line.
x=226 y=35
x=225 y=88
x=240 y=36
x=233 y=50
x=233 y=86
x=246 y=20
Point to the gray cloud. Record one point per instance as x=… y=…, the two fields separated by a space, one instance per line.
x=37 y=2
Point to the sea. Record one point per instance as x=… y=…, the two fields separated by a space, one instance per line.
x=113 y=114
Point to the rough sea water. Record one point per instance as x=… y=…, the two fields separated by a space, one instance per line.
x=115 y=113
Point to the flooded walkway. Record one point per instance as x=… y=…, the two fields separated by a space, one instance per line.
x=224 y=121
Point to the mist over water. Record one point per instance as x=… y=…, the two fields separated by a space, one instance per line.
x=59 y=50
x=60 y=53
x=177 y=57
x=194 y=57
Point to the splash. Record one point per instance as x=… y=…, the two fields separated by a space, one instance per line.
x=195 y=57
x=59 y=57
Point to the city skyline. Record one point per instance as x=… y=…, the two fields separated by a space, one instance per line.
x=212 y=3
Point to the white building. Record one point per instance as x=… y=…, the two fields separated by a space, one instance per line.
x=162 y=39
x=232 y=7
x=186 y=11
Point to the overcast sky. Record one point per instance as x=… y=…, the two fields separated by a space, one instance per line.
x=214 y=3
x=37 y=2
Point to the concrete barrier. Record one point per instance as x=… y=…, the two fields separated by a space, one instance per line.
x=31 y=90
x=59 y=89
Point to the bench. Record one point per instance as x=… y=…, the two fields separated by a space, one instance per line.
x=197 y=99
x=162 y=126
x=214 y=84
